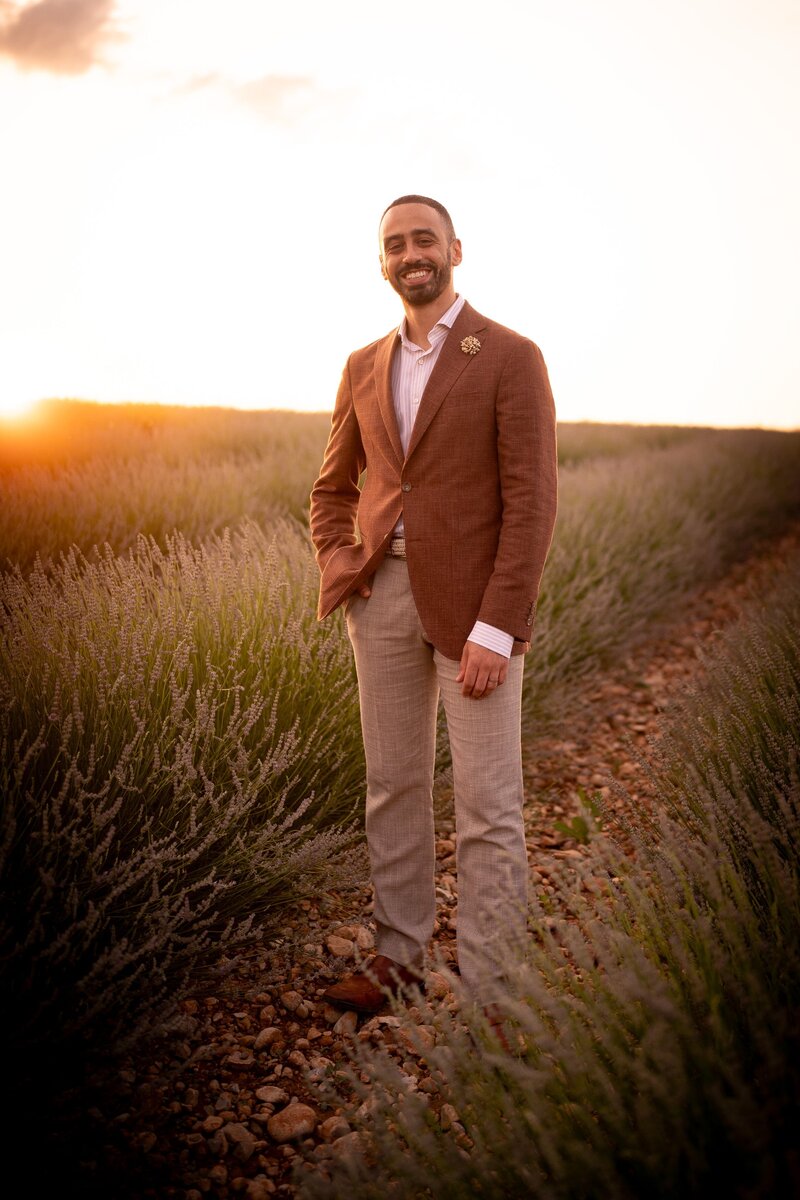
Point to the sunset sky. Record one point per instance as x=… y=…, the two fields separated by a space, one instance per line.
x=189 y=195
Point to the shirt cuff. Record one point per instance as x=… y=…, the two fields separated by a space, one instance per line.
x=491 y=638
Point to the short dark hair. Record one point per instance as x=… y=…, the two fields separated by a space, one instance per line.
x=440 y=208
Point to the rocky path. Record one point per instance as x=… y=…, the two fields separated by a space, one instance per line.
x=230 y=1104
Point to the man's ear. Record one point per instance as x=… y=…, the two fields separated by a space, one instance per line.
x=456 y=251
x=383 y=268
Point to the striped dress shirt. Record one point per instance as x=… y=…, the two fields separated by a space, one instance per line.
x=411 y=370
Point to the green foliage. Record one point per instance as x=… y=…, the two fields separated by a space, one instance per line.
x=585 y=824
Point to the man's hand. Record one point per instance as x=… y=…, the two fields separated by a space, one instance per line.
x=481 y=671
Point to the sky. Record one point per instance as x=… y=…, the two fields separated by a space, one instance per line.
x=190 y=195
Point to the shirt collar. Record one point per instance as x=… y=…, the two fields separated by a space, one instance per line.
x=440 y=329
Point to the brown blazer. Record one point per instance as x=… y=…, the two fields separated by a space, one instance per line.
x=477 y=488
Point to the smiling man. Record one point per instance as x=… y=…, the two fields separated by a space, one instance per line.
x=438 y=556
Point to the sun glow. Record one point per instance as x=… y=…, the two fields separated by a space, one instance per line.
x=14 y=409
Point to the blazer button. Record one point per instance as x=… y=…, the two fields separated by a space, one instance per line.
x=406 y=487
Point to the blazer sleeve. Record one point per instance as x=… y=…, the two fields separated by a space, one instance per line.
x=335 y=495
x=527 y=465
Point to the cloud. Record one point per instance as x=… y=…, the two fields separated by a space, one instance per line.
x=65 y=37
x=198 y=83
x=279 y=99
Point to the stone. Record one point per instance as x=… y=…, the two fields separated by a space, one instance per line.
x=345 y=931
x=296 y=1121
x=353 y=1145
x=419 y=1039
x=340 y=947
x=242 y=1140
x=261 y=1118
x=212 y=1124
x=334 y=1127
x=448 y=1117
x=319 y=1068
x=272 y=1095
x=145 y=1141
x=436 y=985
x=364 y=938
x=291 y=1001
x=259 y=1189
x=368 y=1109
x=346 y=1025
x=242 y=1060
x=218 y=1144
x=267 y=1037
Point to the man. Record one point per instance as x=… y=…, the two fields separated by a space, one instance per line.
x=438 y=553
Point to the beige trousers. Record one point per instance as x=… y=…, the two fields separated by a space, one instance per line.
x=400 y=677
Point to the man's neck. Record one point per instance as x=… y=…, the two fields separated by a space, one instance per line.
x=420 y=319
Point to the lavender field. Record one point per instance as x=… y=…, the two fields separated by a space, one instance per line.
x=181 y=761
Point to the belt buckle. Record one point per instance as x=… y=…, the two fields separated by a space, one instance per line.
x=397 y=547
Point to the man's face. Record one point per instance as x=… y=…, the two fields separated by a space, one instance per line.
x=416 y=256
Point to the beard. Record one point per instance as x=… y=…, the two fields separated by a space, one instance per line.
x=419 y=294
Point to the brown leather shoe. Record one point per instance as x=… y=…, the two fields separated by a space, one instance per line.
x=367 y=990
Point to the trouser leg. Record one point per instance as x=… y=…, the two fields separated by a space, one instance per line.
x=491 y=855
x=398 y=693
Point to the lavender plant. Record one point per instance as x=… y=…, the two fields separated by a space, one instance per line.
x=635 y=536
x=179 y=759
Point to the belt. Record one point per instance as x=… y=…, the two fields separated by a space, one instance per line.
x=397 y=547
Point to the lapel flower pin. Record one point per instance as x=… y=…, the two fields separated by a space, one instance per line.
x=470 y=344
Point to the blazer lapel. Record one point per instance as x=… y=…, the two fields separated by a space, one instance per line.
x=451 y=362
x=383 y=387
